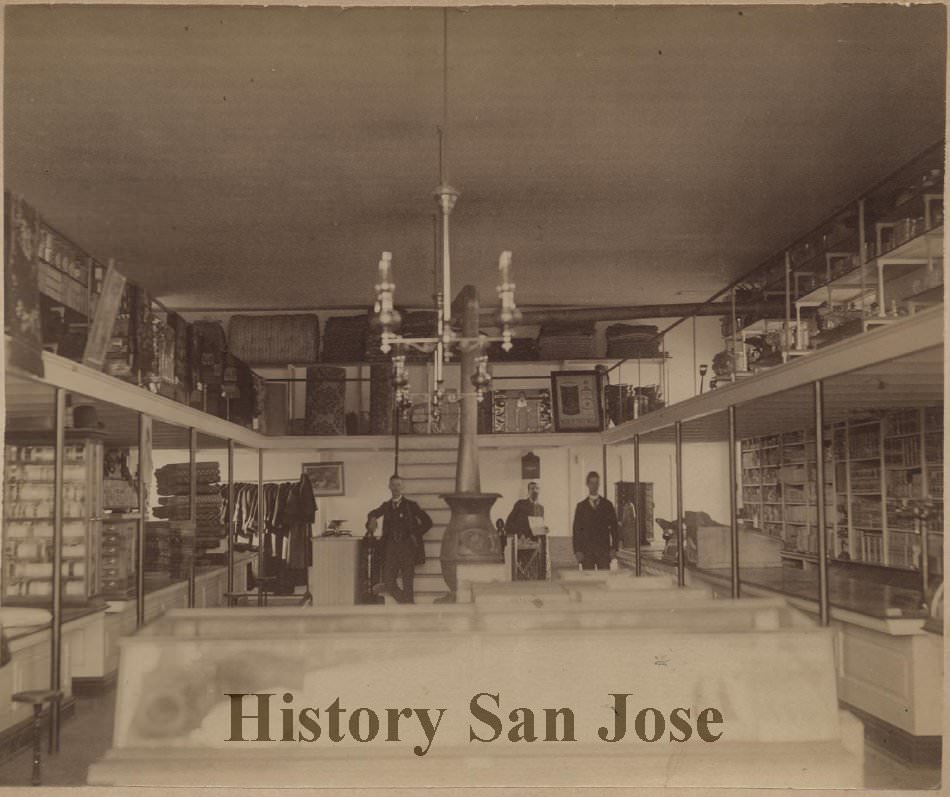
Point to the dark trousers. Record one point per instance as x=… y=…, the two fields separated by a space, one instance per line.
x=600 y=559
x=399 y=561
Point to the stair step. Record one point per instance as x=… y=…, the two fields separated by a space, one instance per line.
x=438 y=456
x=427 y=486
x=432 y=567
x=427 y=470
x=429 y=582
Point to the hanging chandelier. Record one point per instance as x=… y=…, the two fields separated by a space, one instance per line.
x=447 y=341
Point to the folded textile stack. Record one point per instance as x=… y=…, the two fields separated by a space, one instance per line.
x=567 y=341
x=344 y=339
x=522 y=349
x=326 y=394
x=415 y=324
x=633 y=341
x=174 y=502
x=158 y=555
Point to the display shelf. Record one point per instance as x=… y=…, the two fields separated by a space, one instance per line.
x=91 y=537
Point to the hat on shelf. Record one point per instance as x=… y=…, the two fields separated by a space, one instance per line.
x=85 y=416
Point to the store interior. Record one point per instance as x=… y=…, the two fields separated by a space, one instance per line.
x=205 y=391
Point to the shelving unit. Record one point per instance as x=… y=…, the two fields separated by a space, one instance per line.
x=874 y=261
x=98 y=548
x=880 y=462
x=778 y=488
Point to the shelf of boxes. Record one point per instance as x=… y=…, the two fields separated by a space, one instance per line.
x=98 y=548
x=900 y=459
x=877 y=258
x=28 y=521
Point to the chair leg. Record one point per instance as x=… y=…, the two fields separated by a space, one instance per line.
x=37 y=741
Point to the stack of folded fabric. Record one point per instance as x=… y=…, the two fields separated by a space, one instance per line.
x=415 y=324
x=344 y=339
x=157 y=548
x=174 y=488
x=633 y=341
x=326 y=394
x=522 y=350
x=567 y=341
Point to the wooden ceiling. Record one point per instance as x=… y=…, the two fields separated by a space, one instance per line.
x=233 y=156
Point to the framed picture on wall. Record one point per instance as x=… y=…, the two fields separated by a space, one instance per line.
x=577 y=404
x=326 y=477
x=521 y=411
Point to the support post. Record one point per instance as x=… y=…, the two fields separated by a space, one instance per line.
x=638 y=504
x=261 y=584
x=733 y=502
x=395 y=434
x=680 y=558
x=823 y=605
x=56 y=632
x=788 y=306
x=604 y=462
x=192 y=509
x=145 y=442
x=229 y=526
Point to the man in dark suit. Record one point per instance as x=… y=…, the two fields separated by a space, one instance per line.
x=518 y=521
x=404 y=524
x=595 y=528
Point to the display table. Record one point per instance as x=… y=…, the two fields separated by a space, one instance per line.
x=334 y=577
x=770 y=674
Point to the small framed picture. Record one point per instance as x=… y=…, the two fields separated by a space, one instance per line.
x=325 y=477
x=577 y=401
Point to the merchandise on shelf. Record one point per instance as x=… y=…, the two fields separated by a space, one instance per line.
x=98 y=554
x=174 y=503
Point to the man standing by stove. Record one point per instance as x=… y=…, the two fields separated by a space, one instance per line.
x=404 y=524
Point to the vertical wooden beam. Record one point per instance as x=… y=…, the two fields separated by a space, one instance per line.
x=56 y=634
x=921 y=523
x=145 y=475
x=823 y=603
x=638 y=504
x=260 y=527
x=192 y=509
x=733 y=501
x=680 y=530
x=229 y=525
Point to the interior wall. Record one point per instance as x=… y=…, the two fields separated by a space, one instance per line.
x=563 y=474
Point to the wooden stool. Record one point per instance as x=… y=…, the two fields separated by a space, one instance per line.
x=263 y=586
x=233 y=597
x=37 y=698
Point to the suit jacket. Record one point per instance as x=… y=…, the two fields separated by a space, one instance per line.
x=517 y=522
x=595 y=530
x=409 y=522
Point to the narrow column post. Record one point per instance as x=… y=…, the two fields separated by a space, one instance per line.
x=637 y=504
x=261 y=584
x=145 y=441
x=680 y=531
x=229 y=525
x=192 y=509
x=396 y=425
x=823 y=604
x=733 y=502
x=56 y=635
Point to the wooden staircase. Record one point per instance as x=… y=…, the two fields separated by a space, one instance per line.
x=428 y=473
